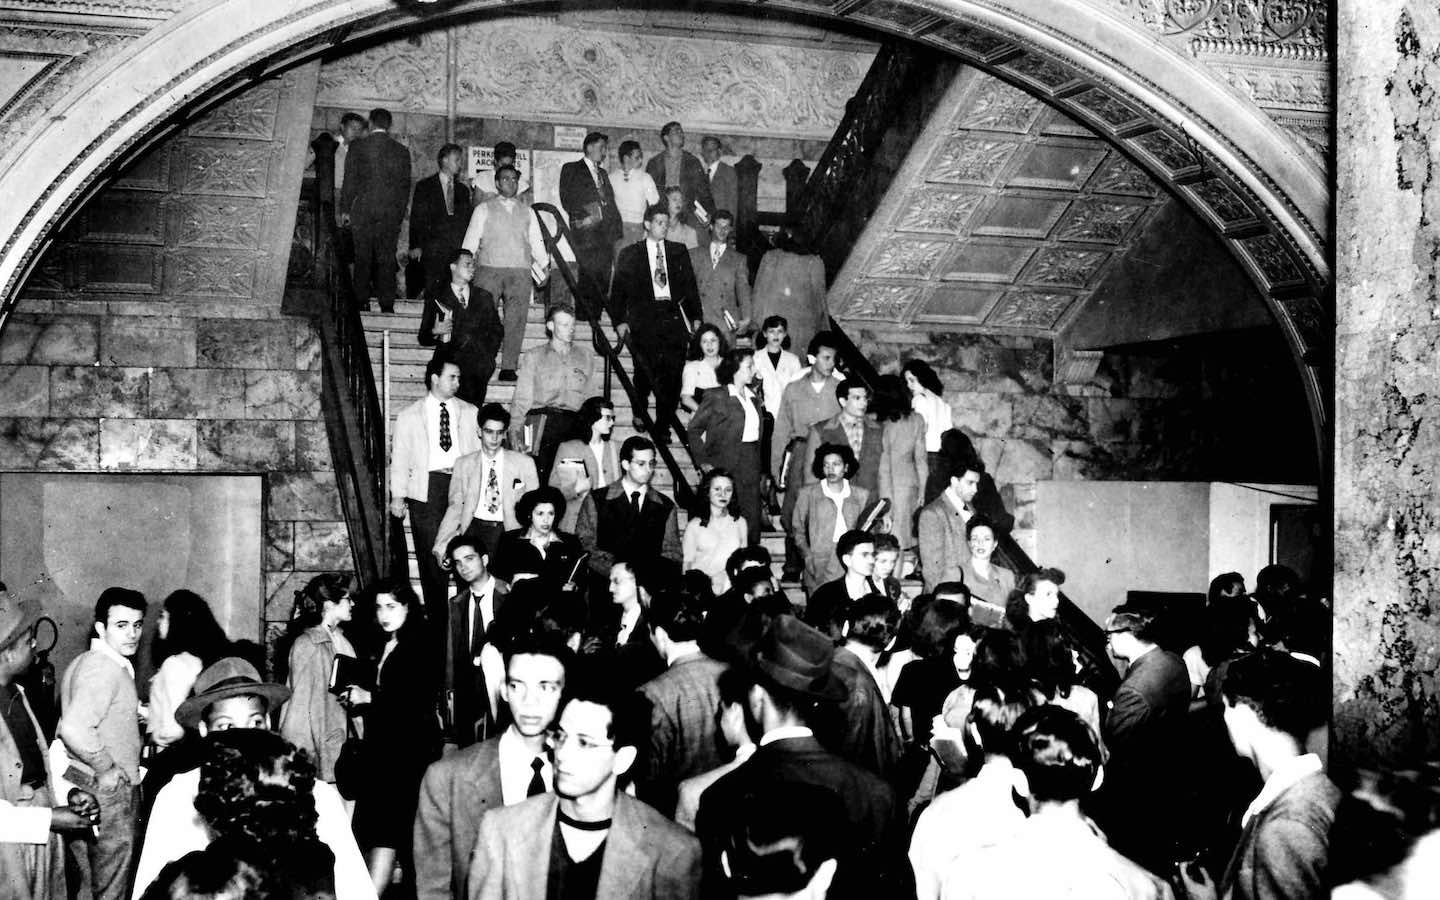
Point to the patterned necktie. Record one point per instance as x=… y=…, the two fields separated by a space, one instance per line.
x=660 y=278
x=444 y=428
x=449 y=197
x=492 y=492
x=537 y=784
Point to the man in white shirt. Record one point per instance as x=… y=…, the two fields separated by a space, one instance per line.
x=982 y=811
x=501 y=771
x=1057 y=851
x=229 y=694
x=505 y=238
x=431 y=436
x=352 y=128
x=724 y=186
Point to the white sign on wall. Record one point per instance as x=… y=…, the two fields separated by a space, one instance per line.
x=481 y=166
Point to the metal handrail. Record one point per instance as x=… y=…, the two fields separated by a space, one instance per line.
x=589 y=308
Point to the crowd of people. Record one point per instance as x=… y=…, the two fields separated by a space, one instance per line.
x=587 y=701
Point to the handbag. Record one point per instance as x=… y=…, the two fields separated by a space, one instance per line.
x=350 y=765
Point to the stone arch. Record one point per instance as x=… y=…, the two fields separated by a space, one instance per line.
x=1219 y=153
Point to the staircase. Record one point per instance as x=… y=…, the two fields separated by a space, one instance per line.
x=405 y=377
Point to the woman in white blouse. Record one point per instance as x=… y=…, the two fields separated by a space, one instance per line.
x=634 y=191
x=707 y=348
x=725 y=434
x=927 y=397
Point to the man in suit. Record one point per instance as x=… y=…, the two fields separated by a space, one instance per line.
x=1272 y=701
x=589 y=204
x=655 y=296
x=583 y=465
x=502 y=771
x=589 y=835
x=430 y=436
x=724 y=186
x=372 y=204
x=677 y=167
x=793 y=680
x=1145 y=735
x=807 y=399
x=473 y=668
x=852 y=428
x=723 y=278
x=629 y=517
x=439 y=212
x=944 y=547
x=459 y=320
x=485 y=487
x=681 y=702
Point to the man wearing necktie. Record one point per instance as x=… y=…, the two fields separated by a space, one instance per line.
x=486 y=486
x=656 y=298
x=439 y=212
x=501 y=771
x=431 y=435
x=459 y=320
x=723 y=277
x=589 y=204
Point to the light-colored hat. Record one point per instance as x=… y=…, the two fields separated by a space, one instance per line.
x=226 y=678
x=17 y=616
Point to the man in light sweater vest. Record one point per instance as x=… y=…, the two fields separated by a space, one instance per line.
x=505 y=238
x=99 y=724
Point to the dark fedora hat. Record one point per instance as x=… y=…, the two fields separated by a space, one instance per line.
x=226 y=678
x=796 y=658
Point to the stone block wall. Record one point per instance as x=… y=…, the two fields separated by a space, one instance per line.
x=1227 y=409
x=151 y=339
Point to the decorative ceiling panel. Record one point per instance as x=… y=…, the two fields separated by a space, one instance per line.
x=1006 y=214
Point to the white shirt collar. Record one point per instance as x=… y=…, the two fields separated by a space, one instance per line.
x=844 y=492
x=785 y=731
x=516 y=770
x=99 y=645
x=630 y=487
x=1282 y=778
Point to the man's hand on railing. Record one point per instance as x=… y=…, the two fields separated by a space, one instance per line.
x=397 y=507
x=622 y=331
x=414 y=252
x=344 y=220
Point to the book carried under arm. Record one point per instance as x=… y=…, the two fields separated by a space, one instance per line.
x=347 y=672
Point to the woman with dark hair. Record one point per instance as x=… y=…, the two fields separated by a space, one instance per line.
x=725 y=433
x=791 y=283
x=1229 y=621
x=826 y=510
x=700 y=375
x=924 y=684
x=313 y=719
x=904 y=462
x=1035 y=599
x=189 y=640
x=402 y=731
x=1053 y=666
x=256 y=798
x=586 y=461
x=997 y=658
x=715 y=533
x=537 y=549
x=927 y=398
x=989 y=582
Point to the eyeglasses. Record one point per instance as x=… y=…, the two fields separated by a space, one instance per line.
x=557 y=738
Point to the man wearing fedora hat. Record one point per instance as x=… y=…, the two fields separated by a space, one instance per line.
x=792 y=678
x=31 y=852
x=230 y=694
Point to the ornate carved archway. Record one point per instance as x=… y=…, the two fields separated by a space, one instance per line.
x=1112 y=64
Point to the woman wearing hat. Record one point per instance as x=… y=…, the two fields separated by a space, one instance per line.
x=314 y=720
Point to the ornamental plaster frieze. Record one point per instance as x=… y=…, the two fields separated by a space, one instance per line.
x=547 y=69
x=130 y=9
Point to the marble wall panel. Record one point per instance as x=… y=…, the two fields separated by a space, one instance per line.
x=322 y=545
x=303 y=496
x=147 y=444
x=50 y=443
x=246 y=344
x=312 y=447
x=147 y=341
x=279 y=546
x=241 y=444
x=99 y=391
x=197 y=393
x=25 y=390
x=282 y=394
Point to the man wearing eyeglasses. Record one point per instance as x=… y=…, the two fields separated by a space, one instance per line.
x=485 y=486
x=588 y=839
x=502 y=771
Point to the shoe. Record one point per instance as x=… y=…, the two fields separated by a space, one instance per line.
x=508 y=375
x=789 y=574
